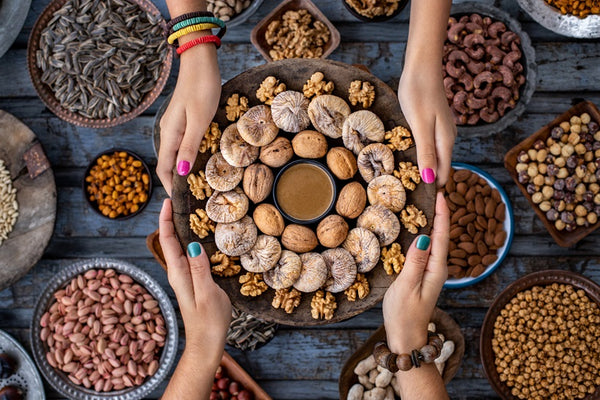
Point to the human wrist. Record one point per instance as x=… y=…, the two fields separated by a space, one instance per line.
x=404 y=342
x=180 y=7
x=210 y=355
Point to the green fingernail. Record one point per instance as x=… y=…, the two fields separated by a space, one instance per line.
x=194 y=249
x=423 y=242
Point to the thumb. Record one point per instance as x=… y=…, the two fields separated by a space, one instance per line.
x=199 y=267
x=416 y=263
x=423 y=132
x=188 y=149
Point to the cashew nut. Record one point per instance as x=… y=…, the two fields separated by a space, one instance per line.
x=472 y=39
x=459 y=102
x=455 y=31
x=475 y=103
x=496 y=28
x=488 y=115
x=467 y=81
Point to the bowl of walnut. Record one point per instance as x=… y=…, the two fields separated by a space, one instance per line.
x=375 y=11
x=305 y=192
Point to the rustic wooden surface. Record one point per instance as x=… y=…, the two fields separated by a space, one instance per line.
x=304 y=363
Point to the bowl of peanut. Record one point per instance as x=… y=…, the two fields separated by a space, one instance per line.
x=117 y=184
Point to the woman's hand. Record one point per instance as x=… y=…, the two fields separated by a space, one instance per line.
x=190 y=112
x=409 y=302
x=204 y=306
x=426 y=109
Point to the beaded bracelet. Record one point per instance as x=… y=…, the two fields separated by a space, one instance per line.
x=197 y=20
x=205 y=39
x=403 y=362
x=183 y=17
x=194 y=28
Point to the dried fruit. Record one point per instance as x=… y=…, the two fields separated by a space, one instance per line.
x=342 y=269
x=256 y=126
x=361 y=92
x=220 y=175
x=342 y=163
x=363 y=245
x=252 y=284
x=235 y=150
x=290 y=111
x=359 y=289
x=277 y=153
x=199 y=186
x=399 y=138
x=263 y=256
x=200 y=224
x=323 y=305
x=236 y=107
x=317 y=86
x=227 y=206
x=236 y=238
x=223 y=265
x=211 y=138
x=299 y=238
x=375 y=160
x=269 y=88
x=408 y=175
x=412 y=218
x=258 y=182
x=287 y=299
x=332 y=231
x=382 y=222
x=286 y=272
x=360 y=129
x=388 y=191
x=309 y=144
x=393 y=259
x=351 y=200
x=313 y=274
x=268 y=219
x=328 y=113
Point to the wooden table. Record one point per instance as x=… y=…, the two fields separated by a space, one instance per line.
x=303 y=363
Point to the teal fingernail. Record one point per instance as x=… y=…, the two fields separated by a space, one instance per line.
x=423 y=242
x=194 y=249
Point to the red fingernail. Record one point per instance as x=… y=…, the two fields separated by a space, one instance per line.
x=428 y=175
x=183 y=168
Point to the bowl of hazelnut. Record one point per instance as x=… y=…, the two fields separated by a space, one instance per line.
x=557 y=170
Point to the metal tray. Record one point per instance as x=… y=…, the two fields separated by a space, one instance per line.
x=27 y=376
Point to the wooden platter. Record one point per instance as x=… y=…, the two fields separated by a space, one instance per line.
x=294 y=73
x=36 y=197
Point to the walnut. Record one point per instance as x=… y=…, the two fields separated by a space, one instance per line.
x=361 y=92
x=269 y=88
x=399 y=138
x=236 y=106
x=359 y=289
x=412 y=218
x=201 y=224
x=287 y=299
x=408 y=174
x=252 y=284
x=223 y=265
x=322 y=306
x=374 y=8
x=393 y=259
x=198 y=186
x=211 y=139
x=317 y=86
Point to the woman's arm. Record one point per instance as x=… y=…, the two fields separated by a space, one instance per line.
x=421 y=90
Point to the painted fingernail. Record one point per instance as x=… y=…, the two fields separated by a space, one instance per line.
x=183 y=168
x=428 y=175
x=423 y=242
x=194 y=249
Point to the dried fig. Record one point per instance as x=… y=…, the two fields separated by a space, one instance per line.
x=375 y=160
x=263 y=256
x=360 y=129
x=228 y=206
x=236 y=238
x=328 y=113
x=351 y=200
x=309 y=144
x=388 y=191
x=313 y=274
x=285 y=273
x=220 y=175
x=364 y=247
x=236 y=151
x=299 y=238
x=332 y=231
x=341 y=163
x=258 y=181
x=268 y=219
x=277 y=153
x=382 y=222
x=342 y=269
x=256 y=126
x=290 y=111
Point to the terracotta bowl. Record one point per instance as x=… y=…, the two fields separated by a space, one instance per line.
x=237 y=373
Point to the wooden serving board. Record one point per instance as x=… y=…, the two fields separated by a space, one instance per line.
x=36 y=197
x=294 y=73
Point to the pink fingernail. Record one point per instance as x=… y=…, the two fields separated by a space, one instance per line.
x=183 y=168
x=428 y=175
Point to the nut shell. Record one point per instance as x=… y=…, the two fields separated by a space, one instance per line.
x=299 y=238
x=342 y=269
x=309 y=144
x=360 y=129
x=258 y=182
x=352 y=200
x=236 y=238
x=268 y=219
x=290 y=111
x=327 y=114
x=256 y=126
x=277 y=153
x=286 y=272
x=342 y=163
x=313 y=274
x=263 y=256
x=225 y=207
x=221 y=175
x=332 y=231
x=236 y=151
x=375 y=160
x=364 y=247
x=382 y=222
x=388 y=191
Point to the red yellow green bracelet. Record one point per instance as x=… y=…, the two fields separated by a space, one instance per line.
x=193 y=28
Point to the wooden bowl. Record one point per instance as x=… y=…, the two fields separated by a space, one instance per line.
x=562 y=238
x=444 y=324
x=237 y=373
x=47 y=96
x=257 y=37
x=294 y=73
x=541 y=278
x=381 y=18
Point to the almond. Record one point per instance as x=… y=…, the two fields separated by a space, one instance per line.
x=457 y=198
x=478 y=270
x=489 y=259
x=461 y=175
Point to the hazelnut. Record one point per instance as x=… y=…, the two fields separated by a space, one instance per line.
x=299 y=238
x=342 y=163
x=351 y=200
x=332 y=231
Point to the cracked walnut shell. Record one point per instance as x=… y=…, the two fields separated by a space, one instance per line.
x=393 y=259
x=223 y=265
x=359 y=289
x=200 y=224
x=252 y=284
x=399 y=138
x=236 y=107
x=361 y=92
x=286 y=299
x=269 y=88
x=211 y=138
x=323 y=305
x=317 y=86
x=408 y=174
x=412 y=218
x=198 y=186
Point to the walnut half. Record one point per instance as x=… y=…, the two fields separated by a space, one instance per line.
x=317 y=86
x=412 y=218
x=236 y=107
x=286 y=299
x=198 y=186
x=399 y=138
x=200 y=224
x=393 y=259
x=269 y=88
x=223 y=265
x=252 y=284
x=211 y=138
x=323 y=306
x=361 y=92
x=408 y=174
x=359 y=289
